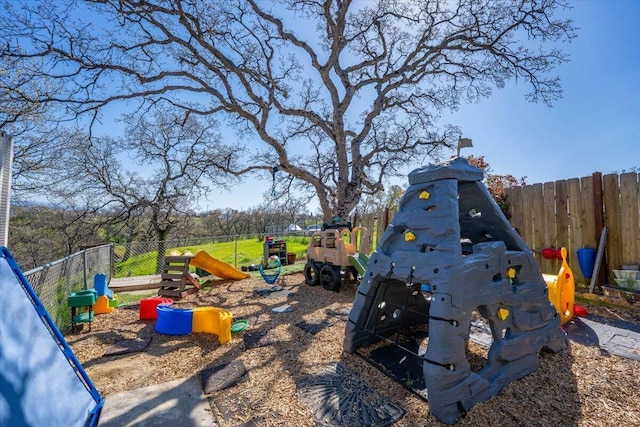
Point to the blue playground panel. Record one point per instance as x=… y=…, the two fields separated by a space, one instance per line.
x=100 y=285
x=41 y=381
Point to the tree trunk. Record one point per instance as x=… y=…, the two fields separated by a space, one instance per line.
x=162 y=248
x=127 y=246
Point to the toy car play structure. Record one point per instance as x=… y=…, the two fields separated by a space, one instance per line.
x=448 y=252
x=336 y=251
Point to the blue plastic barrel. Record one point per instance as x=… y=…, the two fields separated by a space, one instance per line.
x=587 y=260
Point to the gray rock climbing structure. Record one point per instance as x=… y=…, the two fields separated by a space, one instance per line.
x=449 y=237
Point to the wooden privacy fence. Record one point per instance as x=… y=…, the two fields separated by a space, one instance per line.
x=376 y=223
x=572 y=212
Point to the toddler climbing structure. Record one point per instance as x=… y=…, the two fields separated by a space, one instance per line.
x=107 y=300
x=451 y=238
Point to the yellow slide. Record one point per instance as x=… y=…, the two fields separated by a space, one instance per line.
x=216 y=267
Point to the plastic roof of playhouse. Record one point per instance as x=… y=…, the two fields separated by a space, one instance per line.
x=450 y=236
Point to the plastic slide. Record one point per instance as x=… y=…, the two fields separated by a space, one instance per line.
x=216 y=267
x=359 y=261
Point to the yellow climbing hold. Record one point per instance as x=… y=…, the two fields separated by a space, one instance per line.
x=511 y=273
x=425 y=195
x=503 y=313
x=409 y=236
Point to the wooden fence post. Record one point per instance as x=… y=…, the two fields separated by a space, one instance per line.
x=598 y=215
x=630 y=223
x=611 y=200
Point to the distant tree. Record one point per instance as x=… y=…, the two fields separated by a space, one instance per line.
x=387 y=199
x=259 y=218
x=79 y=228
x=291 y=209
x=226 y=222
x=338 y=110
x=175 y=156
x=497 y=184
x=34 y=236
x=40 y=234
x=635 y=169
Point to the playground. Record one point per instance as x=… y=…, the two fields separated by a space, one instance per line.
x=449 y=321
x=585 y=386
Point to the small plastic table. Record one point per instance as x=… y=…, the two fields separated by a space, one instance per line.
x=81 y=304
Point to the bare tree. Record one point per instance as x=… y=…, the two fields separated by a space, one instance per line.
x=225 y=222
x=34 y=236
x=176 y=158
x=38 y=142
x=19 y=88
x=337 y=110
x=388 y=199
x=497 y=183
x=39 y=150
x=290 y=210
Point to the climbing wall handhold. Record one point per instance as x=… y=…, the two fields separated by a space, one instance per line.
x=409 y=236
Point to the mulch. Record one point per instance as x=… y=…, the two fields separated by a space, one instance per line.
x=581 y=387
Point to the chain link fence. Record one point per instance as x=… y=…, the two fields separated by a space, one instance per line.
x=142 y=259
x=54 y=282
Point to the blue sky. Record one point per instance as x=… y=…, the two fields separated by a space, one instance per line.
x=594 y=127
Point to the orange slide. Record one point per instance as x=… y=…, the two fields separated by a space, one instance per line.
x=216 y=267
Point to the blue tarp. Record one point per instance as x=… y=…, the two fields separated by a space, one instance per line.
x=41 y=381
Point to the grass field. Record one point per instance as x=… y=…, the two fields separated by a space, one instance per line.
x=238 y=253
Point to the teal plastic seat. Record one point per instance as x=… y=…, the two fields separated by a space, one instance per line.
x=270 y=278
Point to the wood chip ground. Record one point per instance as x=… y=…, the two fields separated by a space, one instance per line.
x=583 y=387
